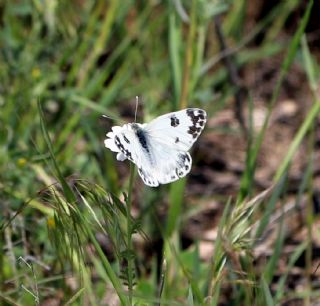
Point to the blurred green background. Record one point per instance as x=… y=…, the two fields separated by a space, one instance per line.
x=67 y=236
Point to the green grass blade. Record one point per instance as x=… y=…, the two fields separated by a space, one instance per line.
x=75 y=297
x=309 y=64
x=271 y=265
x=270 y=206
x=218 y=260
x=267 y=294
x=112 y=276
x=306 y=125
x=66 y=188
x=292 y=50
x=190 y=297
x=174 y=51
x=176 y=196
x=100 y=43
x=293 y=258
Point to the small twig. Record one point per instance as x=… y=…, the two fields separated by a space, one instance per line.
x=30 y=258
x=162 y=279
x=10 y=252
x=35 y=294
x=4 y=225
x=240 y=93
x=129 y=233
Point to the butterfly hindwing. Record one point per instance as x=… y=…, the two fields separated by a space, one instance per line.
x=169 y=166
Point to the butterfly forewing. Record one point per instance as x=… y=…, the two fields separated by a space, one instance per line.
x=178 y=129
x=129 y=142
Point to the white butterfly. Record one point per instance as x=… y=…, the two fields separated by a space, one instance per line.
x=159 y=148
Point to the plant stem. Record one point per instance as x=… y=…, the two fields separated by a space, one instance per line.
x=129 y=234
x=188 y=58
x=112 y=276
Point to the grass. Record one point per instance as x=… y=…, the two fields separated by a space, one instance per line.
x=78 y=227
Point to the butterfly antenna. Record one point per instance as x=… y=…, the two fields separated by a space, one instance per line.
x=135 y=113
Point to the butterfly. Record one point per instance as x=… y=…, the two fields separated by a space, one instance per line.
x=159 y=148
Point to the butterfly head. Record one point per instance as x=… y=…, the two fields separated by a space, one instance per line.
x=135 y=126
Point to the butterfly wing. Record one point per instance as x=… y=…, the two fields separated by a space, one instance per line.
x=178 y=129
x=170 y=136
x=124 y=141
x=159 y=149
x=169 y=166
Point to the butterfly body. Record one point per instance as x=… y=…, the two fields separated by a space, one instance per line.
x=159 y=148
x=142 y=136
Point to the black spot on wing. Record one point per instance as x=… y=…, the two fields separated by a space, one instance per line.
x=126 y=139
x=198 y=120
x=148 y=180
x=184 y=164
x=177 y=140
x=188 y=158
x=174 y=121
x=194 y=131
x=121 y=147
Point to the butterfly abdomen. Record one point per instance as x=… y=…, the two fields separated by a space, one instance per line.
x=143 y=139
